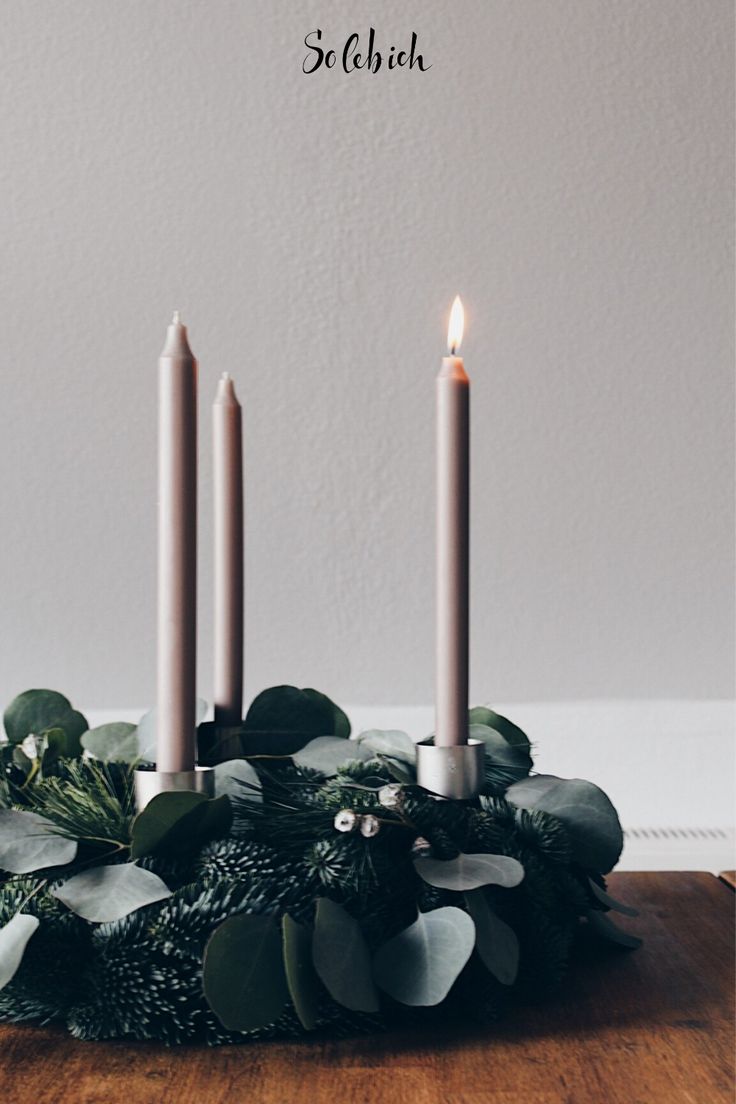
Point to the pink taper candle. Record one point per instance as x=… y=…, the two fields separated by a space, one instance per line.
x=177 y=552
x=228 y=493
x=453 y=495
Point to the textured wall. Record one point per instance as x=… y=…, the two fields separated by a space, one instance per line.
x=564 y=164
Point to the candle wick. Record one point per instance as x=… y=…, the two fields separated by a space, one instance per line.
x=176 y=320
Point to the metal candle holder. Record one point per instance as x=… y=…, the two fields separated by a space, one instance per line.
x=455 y=771
x=148 y=784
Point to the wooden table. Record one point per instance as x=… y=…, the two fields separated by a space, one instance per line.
x=645 y=1027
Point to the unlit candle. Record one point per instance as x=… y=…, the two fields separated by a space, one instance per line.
x=177 y=552
x=228 y=494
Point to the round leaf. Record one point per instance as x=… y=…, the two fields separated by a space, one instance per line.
x=243 y=973
x=112 y=743
x=31 y=842
x=391 y=743
x=36 y=710
x=14 y=938
x=470 y=871
x=147 y=730
x=496 y=942
x=340 y=722
x=287 y=709
x=342 y=959
x=301 y=977
x=420 y=964
x=511 y=733
x=590 y=818
x=505 y=763
x=110 y=892
x=237 y=778
x=327 y=753
x=179 y=821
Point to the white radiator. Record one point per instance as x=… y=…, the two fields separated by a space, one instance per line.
x=711 y=849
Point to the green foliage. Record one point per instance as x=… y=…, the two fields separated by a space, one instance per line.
x=243 y=972
x=300 y=918
x=591 y=821
x=36 y=712
x=178 y=821
x=87 y=801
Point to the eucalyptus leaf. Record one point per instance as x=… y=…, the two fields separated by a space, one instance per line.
x=54 y=746
x=176 y=821
x=14 y=938
x=420 y=965
x=108 y=893
x=340 y=722
x=587 y=813
x=21 y=760
x=286 y=709
x=505 y=763
x=327 y=753
x=237 y=778
x=469 y=871
x=112 y=743
x=342 y=959
x=34 y=711
x=243 y=972
x=606 y=899
x=391 y=743
x=301 y=977
x=606 y=927
x=147 y=730
x=512 y=734
x=31 y=842
x=497 y=944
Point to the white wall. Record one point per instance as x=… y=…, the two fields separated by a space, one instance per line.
x=564 y=164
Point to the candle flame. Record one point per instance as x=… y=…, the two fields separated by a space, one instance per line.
x=455 y=329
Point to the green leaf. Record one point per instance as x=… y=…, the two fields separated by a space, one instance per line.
x=505 y=762
x=496 y=943
x=606 y=899
x=243 y=972
x=301 y=976
x=179 y=821
x=391 y=743
x=342 y=959
x=592 y=823
x=36 y=710
x=340 y=722
x=147 y=730
x=285 y=709
x=512 y=734
x=112 y=743
x=610 y=931
x=14 y=938
x=30 y=842
x=110 y=892
x=420 y=965
x=327 y=753
x=237 y=778
x=469 y=871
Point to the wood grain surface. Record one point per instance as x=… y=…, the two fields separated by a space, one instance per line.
x=650 y=1027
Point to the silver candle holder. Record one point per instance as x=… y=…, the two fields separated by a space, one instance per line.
x=454 y=771
x=148 y=784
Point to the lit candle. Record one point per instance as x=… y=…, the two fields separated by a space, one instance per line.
x=177 y=552
x=453 y=487
x=228 y=492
